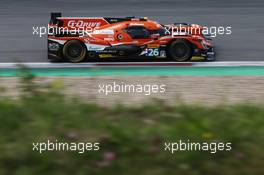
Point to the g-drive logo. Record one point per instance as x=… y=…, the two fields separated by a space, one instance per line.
x=80 y=23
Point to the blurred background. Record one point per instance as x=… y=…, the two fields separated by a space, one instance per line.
x=132 y=130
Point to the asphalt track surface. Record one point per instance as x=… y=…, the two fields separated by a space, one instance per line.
x=246 y=43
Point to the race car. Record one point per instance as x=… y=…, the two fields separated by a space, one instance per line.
x=75 y=39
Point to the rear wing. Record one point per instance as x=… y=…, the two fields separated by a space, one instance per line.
x=54 y=18
x=73 y=23
x=83 y=22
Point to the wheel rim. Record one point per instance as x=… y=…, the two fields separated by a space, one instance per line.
x=75 y=51
x=180 y=51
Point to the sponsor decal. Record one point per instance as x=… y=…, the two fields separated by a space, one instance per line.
x=105 y=55
x=136 y=24
x=153 y=45
x=54 y=46
x=104 y=32
x=163 y=54
x=109 y=39
x=81 y=23
x=95 y=47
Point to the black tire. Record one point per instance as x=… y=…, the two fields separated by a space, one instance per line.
x=74 y=51
x=180 y=50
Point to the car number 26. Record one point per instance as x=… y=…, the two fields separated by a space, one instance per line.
x=153 y=52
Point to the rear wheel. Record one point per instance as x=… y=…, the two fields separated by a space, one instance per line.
x=180 y=50
x=74 y=51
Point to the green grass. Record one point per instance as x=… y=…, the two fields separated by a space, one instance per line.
x=133 y=136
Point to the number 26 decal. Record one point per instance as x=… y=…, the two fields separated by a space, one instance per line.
x=153 y=52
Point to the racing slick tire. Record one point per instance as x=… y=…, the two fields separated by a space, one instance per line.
x=74 y=51
x=180 y=50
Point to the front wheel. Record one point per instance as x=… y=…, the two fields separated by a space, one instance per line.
x=180 y=50
x=74 y=51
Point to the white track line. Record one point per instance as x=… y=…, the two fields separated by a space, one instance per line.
x=134 y=64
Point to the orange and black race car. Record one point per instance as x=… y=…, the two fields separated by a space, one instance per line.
x=76 y=39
